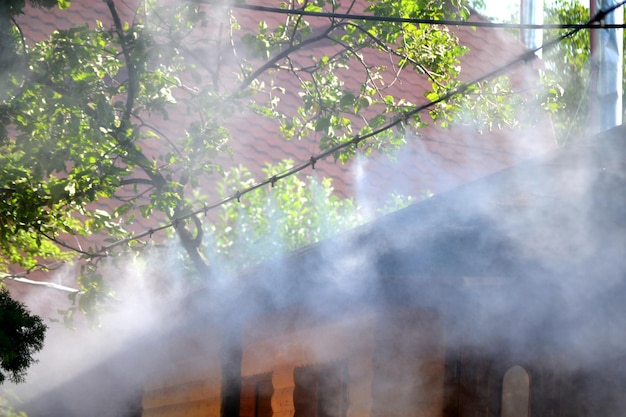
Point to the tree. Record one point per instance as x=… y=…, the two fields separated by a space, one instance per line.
x=568 y=65
x=294 y=213
x=86 y=105
x=22 y=336
x=291 y=215
x=85 y=114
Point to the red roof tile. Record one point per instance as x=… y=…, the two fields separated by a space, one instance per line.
x=262 y=144
x=436 y=160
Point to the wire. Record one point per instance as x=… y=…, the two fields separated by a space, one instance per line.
x=390 y=19
x=46 y=284
x=356 y=140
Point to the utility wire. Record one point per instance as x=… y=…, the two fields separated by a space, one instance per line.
x=356 y=140
x=46 y=284
x=599 y=24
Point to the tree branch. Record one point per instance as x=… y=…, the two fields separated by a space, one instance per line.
x=192 y=245
x=133 y=181
x=278 y=57
x=132 y=73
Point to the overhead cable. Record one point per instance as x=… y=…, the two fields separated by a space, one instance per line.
x=443 y=22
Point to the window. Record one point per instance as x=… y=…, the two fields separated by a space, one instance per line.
x=516 y=393
x=321 y=391
x=256 y=396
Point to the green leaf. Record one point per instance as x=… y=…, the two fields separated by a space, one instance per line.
x=378 y=121
x=64 y=4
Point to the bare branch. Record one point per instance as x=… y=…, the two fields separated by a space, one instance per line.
x=271 y=63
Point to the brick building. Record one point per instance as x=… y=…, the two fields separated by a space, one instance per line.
x=503 y=297
x=286 y=364
x=435 y=161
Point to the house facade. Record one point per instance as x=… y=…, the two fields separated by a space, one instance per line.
x=407 y=316
x=501 y=298
x=434 y=161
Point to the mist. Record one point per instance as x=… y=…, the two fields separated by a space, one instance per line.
x=524 y=267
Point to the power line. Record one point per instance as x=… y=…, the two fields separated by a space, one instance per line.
x=356 y=140
x=443 y=22
x=46 y=284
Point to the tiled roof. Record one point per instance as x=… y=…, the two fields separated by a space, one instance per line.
x=437 y=160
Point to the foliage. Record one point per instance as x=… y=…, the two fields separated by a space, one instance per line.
x=567 y=64
x=8 y=405
x=292 y=214
x=568 y=67
x=21 y=337
x=479 y=5
x=21 y=334
x=335 y=110
x=10 y=36
x=107 y=123
x=288 y=216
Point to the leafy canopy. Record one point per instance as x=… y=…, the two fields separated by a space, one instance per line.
x=568 y=66
x=290 y=215
x=21 y=337
x=112 y=122
x=115 y=124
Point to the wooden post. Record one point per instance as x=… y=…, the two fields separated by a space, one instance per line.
x=231 y=373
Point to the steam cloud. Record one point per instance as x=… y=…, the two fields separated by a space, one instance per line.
x=528 y=262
